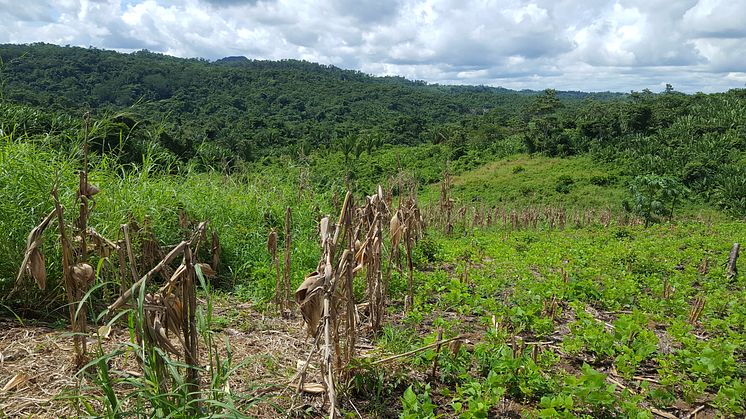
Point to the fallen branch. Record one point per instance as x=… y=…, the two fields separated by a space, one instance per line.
x=694 y=412
x=414 y=351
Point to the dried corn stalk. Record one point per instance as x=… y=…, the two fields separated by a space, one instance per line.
x=73 y=288
x=408 y=229
x=170 y=312
x=285 y=293
x=308 y=297
x=319 y=301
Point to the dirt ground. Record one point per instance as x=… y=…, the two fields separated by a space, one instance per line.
x=40 y=356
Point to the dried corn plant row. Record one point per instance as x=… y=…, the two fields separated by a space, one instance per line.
x=445 y=204
x=284 y=295
x=406 y=227
x=369 y=254
x=470 y=218
x=355 y=243
x=164 y=311
x=325 y=306
x=282 y=287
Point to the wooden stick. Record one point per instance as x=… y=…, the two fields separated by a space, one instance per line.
x=437 y=353
x=130 y=255
x=414 y=351
x=694 y=412
x=732 y=270
x=166 y=260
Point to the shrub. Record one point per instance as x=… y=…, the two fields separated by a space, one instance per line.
x=564 y=184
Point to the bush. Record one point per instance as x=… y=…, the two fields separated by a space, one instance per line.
x=564 y=184
x=603 y=180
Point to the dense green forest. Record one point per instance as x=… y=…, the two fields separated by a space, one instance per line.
x=245 y=108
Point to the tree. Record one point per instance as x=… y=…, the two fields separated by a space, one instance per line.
x=654 y=196
x=545 y=133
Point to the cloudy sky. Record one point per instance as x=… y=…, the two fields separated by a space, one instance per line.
x=597 y=45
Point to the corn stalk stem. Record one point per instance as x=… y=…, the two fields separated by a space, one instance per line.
x=731 y=269
x=191 y=353
x=285 y=295
x=79 y=342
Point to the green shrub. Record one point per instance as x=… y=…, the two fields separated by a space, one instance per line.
x=564 y=184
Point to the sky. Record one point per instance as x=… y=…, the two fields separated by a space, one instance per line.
x=589 y=45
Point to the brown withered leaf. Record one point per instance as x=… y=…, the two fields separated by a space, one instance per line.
x=308 y=297
x=83 y=274
x=16 y=382
x=38 y=268
x=33 y=259
x=207 y=270
x=313 y=388
x=161 y=338
x=395 y=230
x=324 y=229
x=173 y=313
x=90 y=190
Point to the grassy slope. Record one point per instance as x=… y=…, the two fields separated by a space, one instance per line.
x=523 y=180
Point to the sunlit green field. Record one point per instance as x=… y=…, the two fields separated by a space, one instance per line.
x=582 y=322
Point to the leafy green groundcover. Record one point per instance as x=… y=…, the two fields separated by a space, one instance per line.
x=586 y=322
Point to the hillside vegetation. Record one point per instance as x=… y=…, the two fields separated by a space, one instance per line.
x=228 y=113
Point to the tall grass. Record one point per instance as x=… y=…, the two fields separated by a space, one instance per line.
x=241 y=207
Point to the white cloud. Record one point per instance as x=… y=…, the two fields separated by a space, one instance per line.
x=566 y=44
x=717 y=19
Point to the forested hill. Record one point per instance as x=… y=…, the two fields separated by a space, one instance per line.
x=250 y=108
